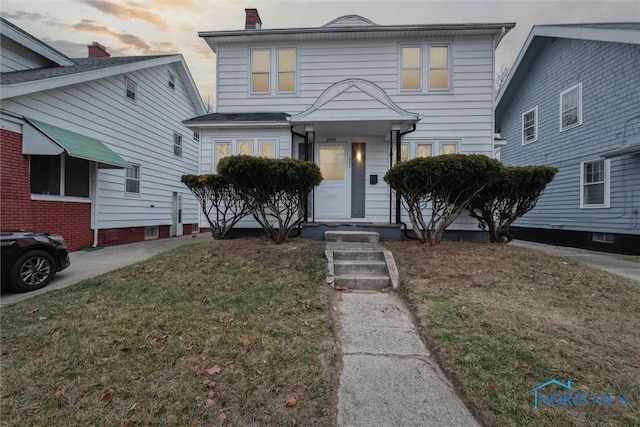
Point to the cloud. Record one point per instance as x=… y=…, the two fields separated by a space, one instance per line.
x=131 y=11
x=132 y=44
x=71 y=49
x=24 y=15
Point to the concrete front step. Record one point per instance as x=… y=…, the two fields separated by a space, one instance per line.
x=356 y=255
x=362 y=281
x=352 y=236
x=347 y=266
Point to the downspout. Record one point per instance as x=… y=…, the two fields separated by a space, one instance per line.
x=398 y=157
x=95 y=206
x=305 y=157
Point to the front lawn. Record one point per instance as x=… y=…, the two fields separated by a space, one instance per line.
x=235 y=332
x=502 y=320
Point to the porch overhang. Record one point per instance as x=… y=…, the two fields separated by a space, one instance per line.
x=45 y=139
x=618 y=152
x=354 y=127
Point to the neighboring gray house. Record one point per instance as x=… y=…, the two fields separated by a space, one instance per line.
x=572 y=100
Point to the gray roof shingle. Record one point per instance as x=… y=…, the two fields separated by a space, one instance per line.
x=82 y=65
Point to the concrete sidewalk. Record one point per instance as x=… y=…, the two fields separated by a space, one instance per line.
x=621 y=265
x=388 y=377
x=88 y=264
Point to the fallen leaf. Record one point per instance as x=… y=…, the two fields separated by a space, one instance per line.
x=209 y=383
x=34 y=311
x=194 y=367
x=159 y=340
x=61 y=391
x=491 y=388
x=209 y=403
x=129 y=423
x=231 y=365
x=106 y=394
x=56 y=334
x=205 y=301
x=38 y=354
x=125 y=350
x=384 y=290
x=287 y=265
x=223 y=418
x=563 y=341
x=10 y=351
x=341 y=288
x=224 y=319
x=213 y=370
x=290 y=402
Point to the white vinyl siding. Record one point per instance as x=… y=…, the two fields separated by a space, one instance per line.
x=140 y=133
x=595 y=182
x=530 y=126
x=571 y=107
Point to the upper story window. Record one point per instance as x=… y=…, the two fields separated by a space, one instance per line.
x=260 y=70
x=439 y=67
x=177 y=144
x=530 y=126
x=411 y=67
x=286 y=70
x=595 y=182
x=132 y=180
x=131 y=88
x=571 y=107
x=172 y=81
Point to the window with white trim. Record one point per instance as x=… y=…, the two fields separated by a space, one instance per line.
x=177 y=144
x=172 y=81
x=61 y=175
x=448 y=147
x=260 y=71
x=424 y=150
x=151 y=233
x=223 y=149
x=602 y=237
x=131 y=88
x=530 y=126
x=268 y=148
x=439 y=67
x=244 y=146
x=411 y=73
x=595 y=182
x=132 y=179
x=404 y=152
x=571 y=107
x=286 y=70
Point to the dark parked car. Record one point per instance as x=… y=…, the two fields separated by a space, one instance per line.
x=30 y=259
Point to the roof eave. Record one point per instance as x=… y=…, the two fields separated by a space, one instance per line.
x=30 y=42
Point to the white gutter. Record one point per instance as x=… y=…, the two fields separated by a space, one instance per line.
x=500 y=37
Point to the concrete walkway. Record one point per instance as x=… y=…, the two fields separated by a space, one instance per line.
x=88 y=264
x=388 y=377
x=621 y=265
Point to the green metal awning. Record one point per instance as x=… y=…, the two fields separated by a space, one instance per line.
x=81 y=146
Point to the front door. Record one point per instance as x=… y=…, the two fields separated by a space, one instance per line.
x=332 y=196
x=176 y=228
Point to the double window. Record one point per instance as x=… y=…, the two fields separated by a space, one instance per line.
x=530 y=126
x=244 y=146
x=439 y=67
x=595 y=182
x=285 y=70
x=571 y=107
x=59 y=176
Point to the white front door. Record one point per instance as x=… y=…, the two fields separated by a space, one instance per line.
x=332 y=196
x=176 y=229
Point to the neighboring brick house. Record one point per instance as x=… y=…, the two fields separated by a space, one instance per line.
x=94 y=148
x=355 y=97
x=572 y=100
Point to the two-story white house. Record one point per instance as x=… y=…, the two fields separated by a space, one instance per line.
x=355 y=97
x=93 y=148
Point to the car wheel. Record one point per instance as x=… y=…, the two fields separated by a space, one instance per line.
x=33 y=270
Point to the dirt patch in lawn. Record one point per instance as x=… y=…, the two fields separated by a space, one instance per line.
x=503 y=320
x=234 y=332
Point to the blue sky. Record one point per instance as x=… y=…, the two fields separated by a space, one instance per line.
x=145 y=27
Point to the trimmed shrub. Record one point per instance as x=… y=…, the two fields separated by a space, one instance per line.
x=214 y=192
x=510 y=193
x=275 y=190
x=446 y=184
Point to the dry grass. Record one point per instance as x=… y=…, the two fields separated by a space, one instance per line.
x=222 y=332
x=503 y=320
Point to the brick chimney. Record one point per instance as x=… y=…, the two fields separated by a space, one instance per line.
x=96 y=50
x=252 y=21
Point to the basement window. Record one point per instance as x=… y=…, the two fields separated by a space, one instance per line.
x=602 y=237
x=151 y=233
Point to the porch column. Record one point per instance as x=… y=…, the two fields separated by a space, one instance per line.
x=395 y=138
x=309 y=142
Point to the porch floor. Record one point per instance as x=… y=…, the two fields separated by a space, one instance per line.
x=316 y=230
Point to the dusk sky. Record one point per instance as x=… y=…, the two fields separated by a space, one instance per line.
x=151 y=27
